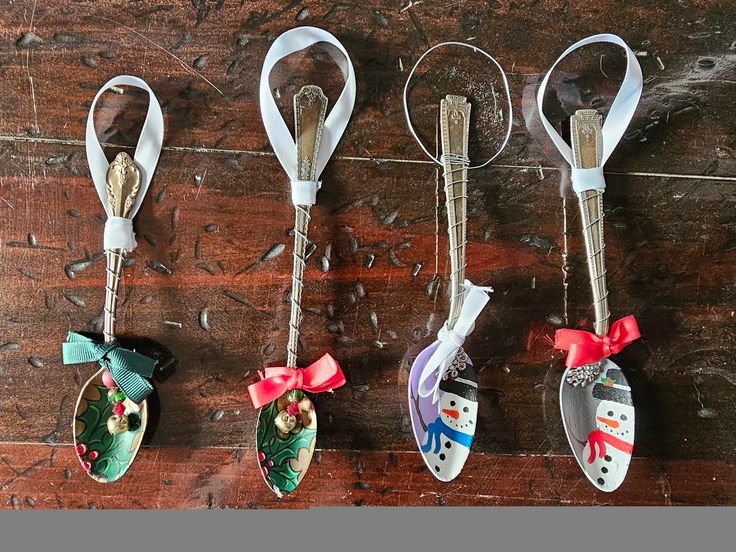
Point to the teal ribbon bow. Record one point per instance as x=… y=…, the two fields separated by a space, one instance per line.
x=128 y=368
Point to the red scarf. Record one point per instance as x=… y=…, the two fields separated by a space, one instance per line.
x=600 y=438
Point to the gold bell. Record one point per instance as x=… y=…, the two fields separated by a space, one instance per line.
x=117 y=424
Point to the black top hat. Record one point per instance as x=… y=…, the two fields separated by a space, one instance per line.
x=607 y=392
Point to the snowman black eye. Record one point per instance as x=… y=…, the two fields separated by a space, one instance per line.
x=466 y=409
x=610 y=413
x=623 y=417
x=452 y=403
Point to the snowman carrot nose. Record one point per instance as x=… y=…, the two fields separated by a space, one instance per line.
x=611 y=423
x=451 y=413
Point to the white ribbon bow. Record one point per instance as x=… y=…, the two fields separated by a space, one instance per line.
x=619 y=116
x=451 y=339
x=119 y=230
x=294 y=40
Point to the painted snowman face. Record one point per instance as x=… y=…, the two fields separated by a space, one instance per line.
x=458 y=413
x=616 y=419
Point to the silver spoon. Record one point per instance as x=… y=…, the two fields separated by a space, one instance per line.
x=595 y=399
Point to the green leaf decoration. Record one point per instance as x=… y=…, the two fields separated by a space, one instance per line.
x=116 y=452
x=284 y=459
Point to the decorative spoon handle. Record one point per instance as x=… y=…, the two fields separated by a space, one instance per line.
x=454 y=132
x=123 y=185
x=587 y=148
x=310 y=107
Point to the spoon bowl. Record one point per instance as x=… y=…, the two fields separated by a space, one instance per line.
x=599 y=422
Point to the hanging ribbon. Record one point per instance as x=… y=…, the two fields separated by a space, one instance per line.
x=587 y=348
x=129 y=369
x=619 y=116
x=323 y=375
x=119 y=230
x=294 y=40
x=451 y=339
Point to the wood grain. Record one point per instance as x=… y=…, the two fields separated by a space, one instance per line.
x=210 y=278
x=37 y=476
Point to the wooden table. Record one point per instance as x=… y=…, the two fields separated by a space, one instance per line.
x=210 y=276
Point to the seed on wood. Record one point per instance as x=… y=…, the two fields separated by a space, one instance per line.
x=206 y=267
x=32 y=241
x=432 y=286
x=28 y=39
x=374 y=320
x=211 y=228
x=74 y=300
x=217 y=415
x=158 y=266
x=10 y=346
x=353 y=245
x=337 y=327
x=198 y=248
x=368 y=260
x=415 y=270
x=238 y=298
x=204 y=321
x=330 y=310
x=351 y=298
x=172 y=324
x=359 y=289
x=107 y=54
x=35 y=362
x=74 y=213
x=31 y=501
x=67 y=474
x=388 y=218
x=273 y=252
x=174 y=217
x=200 y=62
x=268 y=349
x=146 y=299
x=303 y=14
x=386 y=490
x=89 y=62
x=27 y=273
x=392 y=334
x=161 y=196
x=394 y=260
x=311 y=248
x=128 y=262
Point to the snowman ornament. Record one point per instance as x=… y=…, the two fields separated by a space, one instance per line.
x=449 y=437
x=607 y=453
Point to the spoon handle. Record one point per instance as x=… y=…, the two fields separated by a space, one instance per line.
x=454 y=132
x=587 y=148
x=310 y=107
x=123 y=185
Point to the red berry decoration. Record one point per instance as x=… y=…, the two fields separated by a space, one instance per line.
x=270 y=463
x=118 y=409
x=293 y=409
x=93 y=455
x=261 y=456
x=86 y=466
x=81 y=449
x=107 y=379
x=264 y=471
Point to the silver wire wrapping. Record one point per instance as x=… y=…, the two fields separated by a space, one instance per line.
x=456 y=227
x=587 y=151
x=114 y=268
x=301 y=226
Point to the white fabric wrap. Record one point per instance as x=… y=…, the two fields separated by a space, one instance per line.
x=119 y=230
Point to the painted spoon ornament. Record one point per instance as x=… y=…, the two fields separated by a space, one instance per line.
x=443 y=389
x=111 y=413
x=287 y=421
x=595 y=398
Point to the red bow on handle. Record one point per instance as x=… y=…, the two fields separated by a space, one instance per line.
x=586 y=347
x=322 y=375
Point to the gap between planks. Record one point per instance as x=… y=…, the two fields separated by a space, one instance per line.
x=378 y=160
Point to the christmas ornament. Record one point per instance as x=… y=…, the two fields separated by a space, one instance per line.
x=287 y=422
x=111 y=413
x=443 y=389
x=595 y=398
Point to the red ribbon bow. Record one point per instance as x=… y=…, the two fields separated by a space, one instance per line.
x=600 y=438
x=322 y=375
x=586 y=347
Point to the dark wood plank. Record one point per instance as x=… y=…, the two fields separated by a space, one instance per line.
x=38 y=476
x=669 y=263
x=204 y=64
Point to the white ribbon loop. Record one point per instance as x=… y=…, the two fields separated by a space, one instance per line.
x=618 y=119
x=278 y=133
x=451 y=339
x=118 y=230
